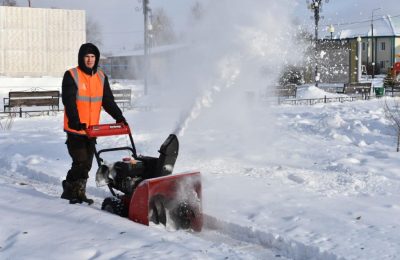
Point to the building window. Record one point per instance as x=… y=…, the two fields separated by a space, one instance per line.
x=383 y=46
x=363 y=46
x=382 y=64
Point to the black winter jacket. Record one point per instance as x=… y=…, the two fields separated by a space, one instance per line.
x=70 y=89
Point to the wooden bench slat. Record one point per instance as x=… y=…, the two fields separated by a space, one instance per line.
x=123 y=97
x=122 y=91
x=33 y=102
x=16 y=94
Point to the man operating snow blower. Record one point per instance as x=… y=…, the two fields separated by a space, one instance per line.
x=85 y=90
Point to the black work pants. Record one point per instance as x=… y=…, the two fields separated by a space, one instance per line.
x=81 y=149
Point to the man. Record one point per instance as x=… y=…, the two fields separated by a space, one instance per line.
x=85 y=90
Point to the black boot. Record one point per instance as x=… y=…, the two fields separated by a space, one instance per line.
x=68 y=190
x=81 y=191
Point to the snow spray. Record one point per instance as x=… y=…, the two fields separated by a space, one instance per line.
x=235 y=47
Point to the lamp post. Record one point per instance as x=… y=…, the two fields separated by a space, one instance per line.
x=331 y=29
x=359 y=59
x=146 y=43
x=372 y=42
x=316 y=7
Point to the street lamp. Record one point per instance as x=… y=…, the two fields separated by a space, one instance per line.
x=316 y=7
x=331 y=29
x=146 y=10
x=359 y=59
x=372 y=42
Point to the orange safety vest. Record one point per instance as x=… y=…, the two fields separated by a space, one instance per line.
x=88 y=98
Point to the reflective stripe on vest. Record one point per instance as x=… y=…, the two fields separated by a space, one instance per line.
x=87 y=98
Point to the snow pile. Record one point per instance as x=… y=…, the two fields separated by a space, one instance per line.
x=311 y=92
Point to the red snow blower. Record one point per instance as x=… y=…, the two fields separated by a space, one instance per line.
x=149 y=191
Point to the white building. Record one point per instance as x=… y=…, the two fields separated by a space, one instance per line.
x=39 y=42
x=380 y=45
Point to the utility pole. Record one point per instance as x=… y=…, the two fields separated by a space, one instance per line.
x=359 y=47
x=316 y=7
x=331 y=29
x=372 y=42
x=146 y=47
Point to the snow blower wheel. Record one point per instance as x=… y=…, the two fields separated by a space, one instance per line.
x=115 y=206
x=182 y=215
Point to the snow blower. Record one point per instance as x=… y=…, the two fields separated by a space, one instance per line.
x=149 y=191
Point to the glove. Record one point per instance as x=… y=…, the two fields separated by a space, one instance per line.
x=78 y=126
x=121 y=120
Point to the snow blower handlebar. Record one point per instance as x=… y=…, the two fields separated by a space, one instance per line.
x=110 y=130
x=107 y=130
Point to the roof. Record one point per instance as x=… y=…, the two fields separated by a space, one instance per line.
x=383 y=26
x=153 y=50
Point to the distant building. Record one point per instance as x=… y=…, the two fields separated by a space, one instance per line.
x=130 y=64
x=39 y=42
x=380 y=48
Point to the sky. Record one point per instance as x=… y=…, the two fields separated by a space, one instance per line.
x=122 y=24
x=121 y=21
x=340 y=12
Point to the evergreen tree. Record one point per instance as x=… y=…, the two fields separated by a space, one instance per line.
x=388 y=81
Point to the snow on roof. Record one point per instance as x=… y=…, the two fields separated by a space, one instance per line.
x=383 y=26
x=153 y=50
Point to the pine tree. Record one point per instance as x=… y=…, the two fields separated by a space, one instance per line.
x=388 y=81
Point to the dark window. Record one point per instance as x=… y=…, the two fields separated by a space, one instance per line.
x=382 y=64
x=363 y=46
x=383 y=46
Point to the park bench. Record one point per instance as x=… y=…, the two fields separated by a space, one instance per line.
x=288 y=90
x=363 y=89
x=123 y=97
x=393 y=89
x=37 y=101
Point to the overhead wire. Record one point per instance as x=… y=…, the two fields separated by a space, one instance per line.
x=363 y=21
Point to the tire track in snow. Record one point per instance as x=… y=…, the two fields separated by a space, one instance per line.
x=17 y=171
x=287 y=248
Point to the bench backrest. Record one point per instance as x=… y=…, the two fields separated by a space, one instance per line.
x=357 y=88
x=286 y=91
x=122 y=94
x=33 y=98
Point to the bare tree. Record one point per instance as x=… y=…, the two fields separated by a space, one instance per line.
x=93 y=32
x=197 y=11
x=392 y=113
x=9 y=3
x=162 y=29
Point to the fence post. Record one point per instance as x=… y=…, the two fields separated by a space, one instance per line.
x=325 y=99
x=20 y=112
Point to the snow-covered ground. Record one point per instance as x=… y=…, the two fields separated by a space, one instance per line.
x=279 y=182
